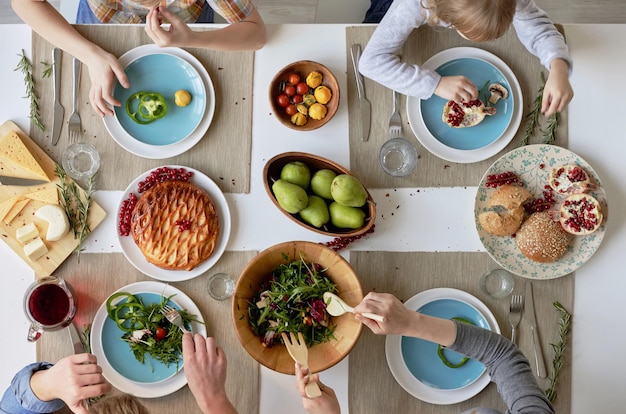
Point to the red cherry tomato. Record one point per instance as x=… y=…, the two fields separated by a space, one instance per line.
x=282 y=100
x=294 y=79
x=291 y=109
x=302 y=88
x=290 y=90
x=296 y=99
x=160 y=333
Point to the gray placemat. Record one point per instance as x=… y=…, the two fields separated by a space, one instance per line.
x=405 y=275
x=431 y=170
x=93 y=281
x=223 y=153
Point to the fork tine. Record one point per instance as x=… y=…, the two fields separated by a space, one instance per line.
x=301 y=339
x=293 y=339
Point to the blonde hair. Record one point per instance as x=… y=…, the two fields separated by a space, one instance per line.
x=118 y=404
x=477 y=20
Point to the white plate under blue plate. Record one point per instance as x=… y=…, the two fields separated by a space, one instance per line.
x=145 y=150
x=159 y=386
x=532 y=164
x=165 y=74
x=481 y=73
x=404 y=376
x=136 y=257
x=421 y=357
x=449 y=148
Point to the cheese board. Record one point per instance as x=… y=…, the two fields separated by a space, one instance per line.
x=18 y=204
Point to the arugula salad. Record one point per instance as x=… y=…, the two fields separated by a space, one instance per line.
x=145 y=329
x=290 y=300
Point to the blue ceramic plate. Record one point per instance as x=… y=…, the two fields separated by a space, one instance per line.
x=119 y=366
x=165 y=74
x=121 y=358
x=533 y=164
x=421 y=356
x=491 y=128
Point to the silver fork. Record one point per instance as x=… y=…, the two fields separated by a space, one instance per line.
x=74 y=122
x=515 y=314
x=395 y=122
x=174 y=317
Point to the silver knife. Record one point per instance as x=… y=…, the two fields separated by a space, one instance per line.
x=365 y=108
x=59 y=111
x=540 y=364
x=77 y=344
x=22 y=182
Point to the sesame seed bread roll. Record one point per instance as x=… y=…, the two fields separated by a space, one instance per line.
x=542 y=239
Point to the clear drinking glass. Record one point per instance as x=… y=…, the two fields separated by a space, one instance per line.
x=398 y=157
x=221 y=286
x=497 y=283
x=80 y=160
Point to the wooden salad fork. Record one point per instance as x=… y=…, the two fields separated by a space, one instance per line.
x=299 y=352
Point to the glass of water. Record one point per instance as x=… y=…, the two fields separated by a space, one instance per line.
x=398 y=157
x=221 y=286
x=80 y=160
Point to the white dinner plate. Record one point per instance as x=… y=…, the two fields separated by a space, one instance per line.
x=402 y=374
x=136 y=257
x=141 y=149
x=532 y=164
x=500 y=141
x=139 y=389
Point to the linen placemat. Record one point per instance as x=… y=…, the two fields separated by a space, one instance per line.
x=223 y=153
x=96 y=276
x=405 y=275
x=431 y=170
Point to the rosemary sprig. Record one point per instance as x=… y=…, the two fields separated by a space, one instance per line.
x=559 y=348
x=85 y=340
x=47 y=71
x=532 y=119
x=76 y=206
x=26 y=67
x=549 y=132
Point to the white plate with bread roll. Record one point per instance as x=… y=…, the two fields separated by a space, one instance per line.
x=547 y=244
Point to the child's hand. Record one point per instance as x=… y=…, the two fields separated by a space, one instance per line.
x=557 y=92
x=456 y=88
x=325 y=404
x=178 y=34
x=104 y=69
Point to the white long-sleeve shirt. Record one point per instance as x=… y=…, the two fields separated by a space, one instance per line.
x=381 y=63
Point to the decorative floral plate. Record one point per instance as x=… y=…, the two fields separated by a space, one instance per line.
x=532 y=164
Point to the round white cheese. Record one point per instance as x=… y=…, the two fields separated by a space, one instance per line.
x=58 y=225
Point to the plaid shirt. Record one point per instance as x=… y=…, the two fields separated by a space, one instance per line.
x=130 y=12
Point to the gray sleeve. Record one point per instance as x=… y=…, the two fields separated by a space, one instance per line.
x=539 y=35
x=507 y=366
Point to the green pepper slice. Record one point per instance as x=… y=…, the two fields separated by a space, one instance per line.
x=441 y=348
x=149 y=107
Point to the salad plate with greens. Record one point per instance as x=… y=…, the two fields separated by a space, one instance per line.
x=139 y=350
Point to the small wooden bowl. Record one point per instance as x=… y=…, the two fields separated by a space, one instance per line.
x=303 y=68
x=259 y=269
x=271 y=173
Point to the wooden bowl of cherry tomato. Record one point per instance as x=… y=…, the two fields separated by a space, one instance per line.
x=290 y=95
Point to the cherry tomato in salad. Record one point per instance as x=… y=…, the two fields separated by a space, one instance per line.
x=294 y=79
x=290 y=90
x=302 y=88
x=291 y=109
x=160 y=333
x=282 y=100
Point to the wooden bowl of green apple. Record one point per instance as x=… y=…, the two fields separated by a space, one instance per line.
x=319 y=194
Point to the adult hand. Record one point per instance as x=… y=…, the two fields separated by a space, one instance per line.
x=178 y=34
x=456 y=88
x=205 y=369
x=327 y=403
x=104 y=70
x=72 y=379
x=398 y=319
x=557 y=92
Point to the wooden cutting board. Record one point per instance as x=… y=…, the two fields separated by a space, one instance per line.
x=59 y=250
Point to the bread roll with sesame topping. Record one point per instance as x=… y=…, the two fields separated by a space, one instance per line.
x=542 y=239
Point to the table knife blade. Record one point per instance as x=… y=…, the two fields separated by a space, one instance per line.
x=365 y=108
x=540 y=364
x=58 y=109
x=18 y=181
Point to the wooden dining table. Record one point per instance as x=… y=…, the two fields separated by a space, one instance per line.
x=425 y=234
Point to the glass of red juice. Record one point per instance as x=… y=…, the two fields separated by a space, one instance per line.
x=49 y=304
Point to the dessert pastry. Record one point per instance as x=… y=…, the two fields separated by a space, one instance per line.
x=509 y=217
x=175 y=225
x=569 y=179
x=465 y=114
x=542 y=239
x=580 y=214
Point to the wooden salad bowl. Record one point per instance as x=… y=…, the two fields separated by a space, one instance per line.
x=259 y=269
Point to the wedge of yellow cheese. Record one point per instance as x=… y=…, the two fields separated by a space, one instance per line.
x=6 y=206
x=16 y=156
x=49 y=195
x=15 y=210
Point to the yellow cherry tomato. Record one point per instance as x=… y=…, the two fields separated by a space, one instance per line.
x=182 y=97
